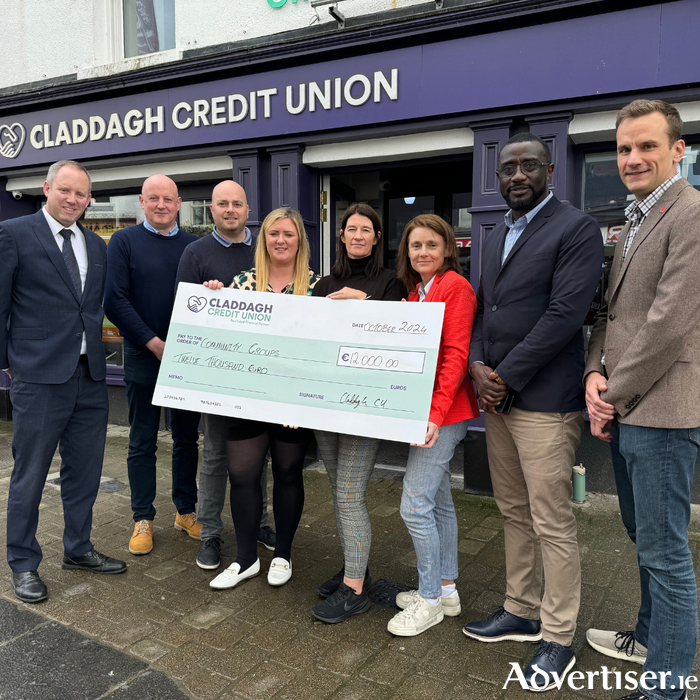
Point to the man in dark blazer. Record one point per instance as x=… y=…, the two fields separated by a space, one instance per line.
x=540 y=270
x=642 y=390
x=52 y=276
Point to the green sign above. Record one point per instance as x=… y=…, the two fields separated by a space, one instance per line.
x=280 y=3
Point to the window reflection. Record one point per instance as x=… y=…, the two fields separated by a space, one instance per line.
x=149 y=26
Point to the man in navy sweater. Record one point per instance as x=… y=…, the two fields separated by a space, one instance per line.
x=228 y=251
x=142 y=265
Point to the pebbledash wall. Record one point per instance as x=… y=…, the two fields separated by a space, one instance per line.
x=281 y=101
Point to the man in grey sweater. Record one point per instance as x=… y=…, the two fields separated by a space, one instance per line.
x=226 y=252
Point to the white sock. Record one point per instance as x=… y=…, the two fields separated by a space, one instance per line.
x=433 y=601
x=448 y=590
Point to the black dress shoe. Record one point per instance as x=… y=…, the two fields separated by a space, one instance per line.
x=29 y=587
x=503 y=626
x=549 y=664
x=96 y=562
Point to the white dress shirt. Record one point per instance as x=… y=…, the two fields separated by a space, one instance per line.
x=424 y=289
x=79 y=248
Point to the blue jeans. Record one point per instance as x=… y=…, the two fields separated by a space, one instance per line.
x=428 y=510
x=140 y=374
x=654 y=470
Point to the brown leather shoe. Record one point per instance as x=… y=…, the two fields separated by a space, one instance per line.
x=141 y=541
x=188 y=523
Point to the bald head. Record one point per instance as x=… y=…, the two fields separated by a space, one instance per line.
x=229 y=209
x=160 y=202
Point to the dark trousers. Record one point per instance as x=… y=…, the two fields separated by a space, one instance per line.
x=72 y=416
x=140 y=374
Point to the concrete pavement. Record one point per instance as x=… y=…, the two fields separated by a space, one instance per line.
x=159 y=631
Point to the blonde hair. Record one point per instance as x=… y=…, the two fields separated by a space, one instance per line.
x=262 y=257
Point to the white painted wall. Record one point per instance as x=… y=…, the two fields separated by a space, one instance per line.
x=247 y=19
x=44 y=39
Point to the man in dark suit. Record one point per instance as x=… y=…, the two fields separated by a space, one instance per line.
x=540 y=270
x=52 y=276
x=642 y=379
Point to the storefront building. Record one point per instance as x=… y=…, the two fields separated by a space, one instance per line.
x=404 y=105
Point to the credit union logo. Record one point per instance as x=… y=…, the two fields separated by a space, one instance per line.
x=11 y=139
x=196 y=304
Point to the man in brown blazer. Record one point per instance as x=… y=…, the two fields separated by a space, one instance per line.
x=643 y=391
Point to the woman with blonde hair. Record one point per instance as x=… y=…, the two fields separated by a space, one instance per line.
x=282 y=267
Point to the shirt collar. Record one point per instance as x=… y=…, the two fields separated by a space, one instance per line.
x=423 y=290
x=639 y=209
x=525 y=219
x=248 y=240
x=56 y=226
x=172 y=232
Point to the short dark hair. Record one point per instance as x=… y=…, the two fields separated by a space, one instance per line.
x=640 y=108
x=342 y=268
x=528 y=137
x=404 y=269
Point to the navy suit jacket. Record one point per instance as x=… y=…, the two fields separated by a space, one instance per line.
x=530 y=311
x=41 y=318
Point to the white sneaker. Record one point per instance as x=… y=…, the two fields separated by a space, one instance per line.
x=619 y=645
x=233 y=575
x=280 y=572
x=418 y=616
x=451 y=606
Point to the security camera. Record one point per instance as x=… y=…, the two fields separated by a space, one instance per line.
x=16 y=194
x=385 y=185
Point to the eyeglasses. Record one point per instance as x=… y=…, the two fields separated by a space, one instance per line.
x=529 y=166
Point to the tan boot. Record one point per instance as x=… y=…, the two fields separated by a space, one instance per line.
x=188 y=523
x=141 y=541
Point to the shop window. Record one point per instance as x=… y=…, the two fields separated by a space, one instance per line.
x=605 y=198
x=149 y=26
x=104 y=216
x=195 y=217
x=462 y=224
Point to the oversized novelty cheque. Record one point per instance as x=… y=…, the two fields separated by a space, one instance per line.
x=356 y=367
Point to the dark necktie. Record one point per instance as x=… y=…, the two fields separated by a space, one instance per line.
x=71 y=262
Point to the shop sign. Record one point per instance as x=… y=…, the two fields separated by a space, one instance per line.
x=611 y=233
x=268 y=104
x=452 y=77
x=281 y=3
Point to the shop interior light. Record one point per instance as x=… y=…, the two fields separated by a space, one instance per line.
x=409 y=200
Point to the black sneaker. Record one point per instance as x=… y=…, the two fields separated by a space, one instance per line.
x=209 y=555
x=344 y=603
x=267 y=537
x=331 y=586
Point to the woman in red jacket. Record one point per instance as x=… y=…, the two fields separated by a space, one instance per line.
x=428 y=263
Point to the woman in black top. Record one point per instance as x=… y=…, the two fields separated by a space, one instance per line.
x=349 y=459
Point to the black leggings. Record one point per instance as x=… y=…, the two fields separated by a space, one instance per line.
x=247 y=446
